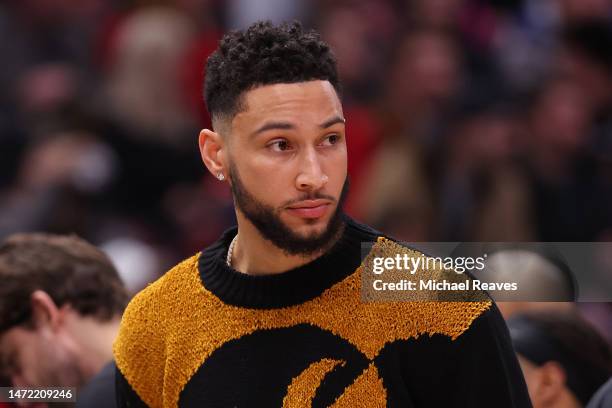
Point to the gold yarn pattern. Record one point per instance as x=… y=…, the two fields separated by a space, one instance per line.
x=303 y=388
x=367 y=391
x=170 y=328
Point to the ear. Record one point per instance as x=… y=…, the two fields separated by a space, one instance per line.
x=212 y=150
x=552 y=382
x=45 y=312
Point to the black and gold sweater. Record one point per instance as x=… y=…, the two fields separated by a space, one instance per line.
x=204 y=335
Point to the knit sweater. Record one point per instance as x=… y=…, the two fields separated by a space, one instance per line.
x=205 y=335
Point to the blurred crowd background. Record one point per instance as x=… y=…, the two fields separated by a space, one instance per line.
x=468 y=120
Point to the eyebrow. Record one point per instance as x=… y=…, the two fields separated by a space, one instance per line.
x=273 y=126
x=332 y=121
x=288 y=126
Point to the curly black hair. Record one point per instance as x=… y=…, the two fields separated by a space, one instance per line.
x=264 y=54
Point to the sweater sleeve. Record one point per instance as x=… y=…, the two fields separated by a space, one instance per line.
x=478 y=369
x=139 y=352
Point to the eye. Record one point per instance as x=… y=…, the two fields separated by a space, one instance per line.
x=331 y=139
x=279 y=145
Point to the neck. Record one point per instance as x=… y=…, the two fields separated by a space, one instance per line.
x=94 y=341
x=254 y=255
x=271 y=289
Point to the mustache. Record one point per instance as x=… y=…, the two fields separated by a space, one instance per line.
x=318 y=195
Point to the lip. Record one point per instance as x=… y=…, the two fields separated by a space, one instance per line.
x=308 y=204
x=310 y=208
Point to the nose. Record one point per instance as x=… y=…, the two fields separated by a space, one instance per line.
x=311 y=176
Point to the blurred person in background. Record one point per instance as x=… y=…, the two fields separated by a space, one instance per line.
x=564 y=359
x=571 y=195
x=484 y=192
x=60 y=174
x=63 y=184
x=586 y=57
x=143 y=92
x=543 y=277
x=61 y=301
x=423 y=79
x=148 y=119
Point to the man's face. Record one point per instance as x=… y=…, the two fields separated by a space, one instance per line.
x=36 y=357
x=288 y=163
x=546 y=383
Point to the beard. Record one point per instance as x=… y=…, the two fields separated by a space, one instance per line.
x=268 y=222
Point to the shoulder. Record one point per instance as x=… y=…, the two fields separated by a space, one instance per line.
x=140 y=346
x=150 y=305
x=151 y=298
x=603 y=397
x=441 y=277
x=423 y=287
x=100 y=390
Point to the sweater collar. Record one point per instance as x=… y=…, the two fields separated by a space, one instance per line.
x=288 y=288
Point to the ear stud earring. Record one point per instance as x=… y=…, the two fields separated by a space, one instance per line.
x=220 y=176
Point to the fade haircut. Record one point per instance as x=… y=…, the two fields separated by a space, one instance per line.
x=264 y=54
x=69 y=269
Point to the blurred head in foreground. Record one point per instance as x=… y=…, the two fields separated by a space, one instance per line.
x=563 y=358
x=279 y=135
x=61 y=301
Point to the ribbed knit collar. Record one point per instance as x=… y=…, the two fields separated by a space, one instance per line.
x=287 y=288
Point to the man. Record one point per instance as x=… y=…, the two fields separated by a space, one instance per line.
x=61 y=302
x=270 y=315
x=564 y=359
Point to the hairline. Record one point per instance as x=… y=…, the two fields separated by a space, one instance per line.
x=222 y=121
